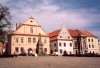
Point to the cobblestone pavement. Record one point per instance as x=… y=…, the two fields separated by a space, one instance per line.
x=50 y=62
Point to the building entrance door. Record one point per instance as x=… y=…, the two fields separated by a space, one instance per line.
x=30 y=52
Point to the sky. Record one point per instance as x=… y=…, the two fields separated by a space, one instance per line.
x=51 y=14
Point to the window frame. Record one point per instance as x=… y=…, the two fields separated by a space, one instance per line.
x=70 y=44
x=29 y=40
x=22 y=40
x=17 y=40
x=88 y=40
x=61 y=51
x=16 y=49
x=89 y=46
x=31 y=29
x=91 y=40
x=34 y=40
x=60 y=44
x=64 y=44
x=45 y=41
x=92 y=46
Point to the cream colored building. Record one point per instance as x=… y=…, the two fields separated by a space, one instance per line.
x=84 y=42
x=92 y=43
x=28 y=36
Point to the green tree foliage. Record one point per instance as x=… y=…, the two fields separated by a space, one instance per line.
x=5 y=23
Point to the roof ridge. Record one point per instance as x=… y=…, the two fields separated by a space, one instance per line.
x=54 y=31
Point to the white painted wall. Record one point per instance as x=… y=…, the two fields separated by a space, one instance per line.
x=67 y=48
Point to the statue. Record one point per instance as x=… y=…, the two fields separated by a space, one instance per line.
x=39 y=48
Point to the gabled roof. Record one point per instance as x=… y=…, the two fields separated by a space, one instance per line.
x=23 y=28
x=54 y=33
x=74 y=33
x=87 y=33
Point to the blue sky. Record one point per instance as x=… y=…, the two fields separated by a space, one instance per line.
x=51 y=14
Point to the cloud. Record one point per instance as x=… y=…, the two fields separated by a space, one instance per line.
x=51 y=16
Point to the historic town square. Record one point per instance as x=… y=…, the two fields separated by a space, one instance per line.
x=49 y=34
x=50 y=62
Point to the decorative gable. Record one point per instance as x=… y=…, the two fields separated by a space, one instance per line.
x=64 y=33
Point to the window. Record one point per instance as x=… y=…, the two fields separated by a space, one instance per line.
x=76 y=45
x=68 y=37
x=21 y=40
x=59 y=44
x=70 y=44
x=31 y=21
x=60 y=50
x=22 y=49
x=55 y=50
x=93 y=52
x=45 y=41
x=31 y=29
x=29 y=40
x=76 y=52
x=88 y=40
x=45 y=49
x=92 y=40
x=92 y=46
x=64 y=44
x=70 y=52
x=55 y=44
x=60 y=36
x=89 y=46
x=34 y=40
x=16 y=49
x=16 y=40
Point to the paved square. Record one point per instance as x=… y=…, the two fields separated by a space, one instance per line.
x=50 y=62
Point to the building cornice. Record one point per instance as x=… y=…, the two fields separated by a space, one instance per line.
x=29 y=35
x=61 y=40
x=31 y=25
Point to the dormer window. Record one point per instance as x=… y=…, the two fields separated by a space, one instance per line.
x=31 y=29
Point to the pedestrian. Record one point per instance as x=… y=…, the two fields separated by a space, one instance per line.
x=15 y=54
x=35 y=55
x=26 y=53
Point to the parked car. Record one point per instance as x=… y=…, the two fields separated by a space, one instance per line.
x=55 y=54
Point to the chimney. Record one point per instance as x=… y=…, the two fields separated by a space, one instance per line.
x=19 y=24
x=16 y=25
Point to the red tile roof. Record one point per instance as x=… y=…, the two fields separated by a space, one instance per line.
x=53 y=38
x=54 y=33
x=87 y=33
x=73 y=33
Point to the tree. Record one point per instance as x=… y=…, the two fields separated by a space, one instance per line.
x=5 y=23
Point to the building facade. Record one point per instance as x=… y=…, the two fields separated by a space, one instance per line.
x=61 y=41
x=82 y=41
x=28 y=37
x=86 y=42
